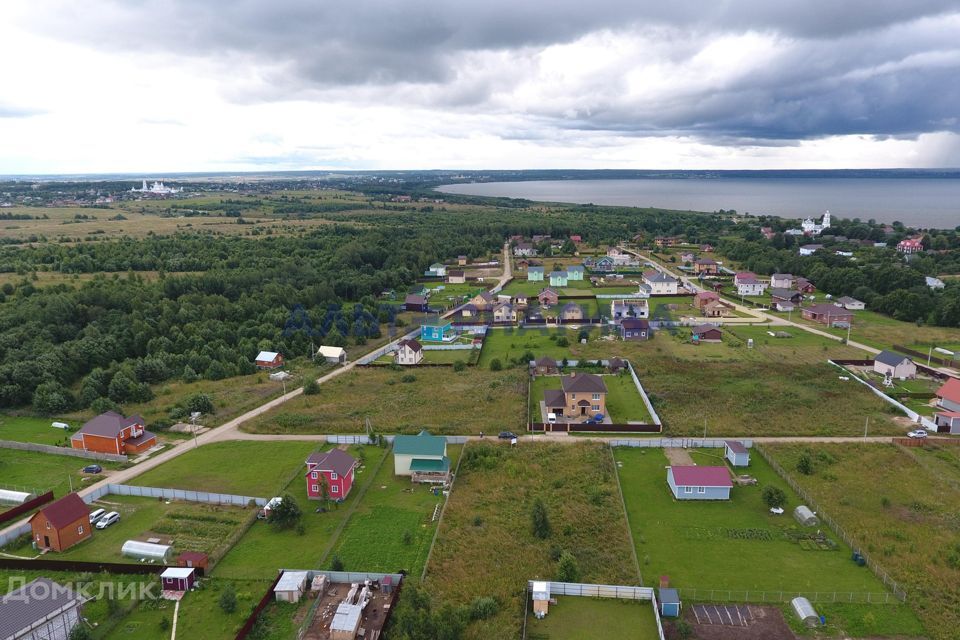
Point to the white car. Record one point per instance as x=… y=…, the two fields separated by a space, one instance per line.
x=96 y=515
x=108 y=520
x=919 y=433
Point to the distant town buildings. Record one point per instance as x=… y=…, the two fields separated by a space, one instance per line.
x=156 y=189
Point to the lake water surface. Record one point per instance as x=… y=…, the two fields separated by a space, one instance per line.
x=916 y=202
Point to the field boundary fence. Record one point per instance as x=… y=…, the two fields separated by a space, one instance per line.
x=910 y=413
x=26 y=507
x=680 y=443
x=265 y=600
x=173 y=494
x=62 y=451
x=898 y=591
x=751 y=596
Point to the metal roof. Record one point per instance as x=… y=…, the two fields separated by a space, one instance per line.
x=177 y=572
x=267 y=355
x=696 y=476
x=583 y=383
x=336 y=460
x=291 y=581
x=736 y=446
x=65 y=511
x=422 y=444
x=669 y=596
x=110 y=423
x=32 y=603
x=890 y=358
x=430 y=464
x=347 y=617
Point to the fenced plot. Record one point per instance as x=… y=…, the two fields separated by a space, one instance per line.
x=734 y=616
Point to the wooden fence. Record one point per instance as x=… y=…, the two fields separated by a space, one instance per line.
x=265 y=600
x=27 y=506
x=919 y=442
x=924 y=356
x=118 y=568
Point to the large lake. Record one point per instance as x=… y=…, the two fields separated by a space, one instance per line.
x=917 y=202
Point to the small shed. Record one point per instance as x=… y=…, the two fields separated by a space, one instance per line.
x=386 y=585
x=195 y=560
x=805 y=611
x=147 y=551
x=805 y=516
x=291 y=586
x=736 y=453
x=336 y=355
x=669 y=603
x=541 y=598
x=177 y=579
x=346 y=621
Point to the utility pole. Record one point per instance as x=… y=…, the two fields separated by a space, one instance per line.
x=704 y=430
x=866 y=427
x=929 y=355
x=849 y=327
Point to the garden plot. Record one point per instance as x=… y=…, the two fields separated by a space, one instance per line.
x=582 y=618
x=40 y=472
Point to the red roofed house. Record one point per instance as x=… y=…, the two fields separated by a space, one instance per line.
x=548 y=298
x=827 y=314
x=112 y=433
x=61 y=524
x=333 y=468
x=269 y=360
x=701 y=299
x=706 y=333
x=575 y=239
x=699 y=483
x=910 y=245
x=948 y=396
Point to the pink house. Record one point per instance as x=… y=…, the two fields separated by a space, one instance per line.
x=334 y=469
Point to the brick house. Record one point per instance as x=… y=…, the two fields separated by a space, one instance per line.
x=581 y=394
x=112 y=433
x=706 y=333
x=545 y=366
x=333 y=468
x=548 y=298
x=269 y=360
x=706 y=266
x=61 y=524
x=828 y=314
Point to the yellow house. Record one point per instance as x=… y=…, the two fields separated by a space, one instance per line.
x=581 y=394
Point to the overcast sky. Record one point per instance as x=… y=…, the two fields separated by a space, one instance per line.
x=202 y=85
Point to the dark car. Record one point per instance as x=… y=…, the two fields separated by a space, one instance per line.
x=507 y=435
x=92 y=468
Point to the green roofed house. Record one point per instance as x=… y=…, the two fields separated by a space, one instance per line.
x=423 y=457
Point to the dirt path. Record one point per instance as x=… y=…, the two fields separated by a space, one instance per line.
x=678 y=457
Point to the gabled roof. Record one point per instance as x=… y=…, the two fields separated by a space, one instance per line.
x=430 y=465
x=64 y=511
x=435 y=266
x=780 y=276
x=422 y=444
x=547 y=291
x=950 y=390
x=330 y=352
x=695 y=476
x=659 y=276
x=783 y=294
x=583 y=383
x=414 y=299
x=545 y=361
x=30 y=604
x=503 y=306
x=707 y=295
x=535 y=269
x=748 y=280
x=827 y=310
x=890 y=358
x=575 y=267
x=269 y=356
x=634 y=323
x=455 y=273
x=486 y=296
x=848 y=300
x=336 y=460
x=411 y=344
x=558 y=274
x=703 y=328
x=705 y=261
x=554 y=398
x=736 y=446
x=109 y=424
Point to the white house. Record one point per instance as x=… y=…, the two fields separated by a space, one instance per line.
x=810 y=249
x=660 y=283
x=409 y=352
x=895 y=365
x=849 y=303
x=629 y=308
x=437 y=270
x=934 y=283
x=781 y=280
x=504 y=312
x=751 y=287
x=337 y=355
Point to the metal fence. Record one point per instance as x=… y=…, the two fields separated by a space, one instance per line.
x=682 y=443
x=774 y=597
x=173 y=494
x=910 y=413
x=619 y=592
x=643 y=394
x=10 y=535
x=364 y=439
x=62 y=451
x=881 y=573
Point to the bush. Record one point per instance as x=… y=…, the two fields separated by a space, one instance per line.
x=228 y=598
x=563 y=342
x=483 y=607
x=164 y=623
x=80 y=632
x=805 y=464
x=540 y=520
x=408 y=378
x=336 y=564
x=774 y=496
x=684 y=630
x=459 y=366
x=496 y=365
x=285 y=515
x=311 y=388
x=567 y=568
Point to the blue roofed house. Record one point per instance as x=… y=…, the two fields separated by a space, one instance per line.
x=438 y=330
x=558 y=278
x=699 y=482
x=737 y=454
x=436 y=270
x=604 y=264
x=535 y=274
x=575 y=272
x=423 y=457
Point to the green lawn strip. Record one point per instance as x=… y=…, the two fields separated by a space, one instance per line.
x=374 y=538
x=583 y=618
x=735 y=544
x=263 y=550
x=859 y=621
x=624 y=402
x=36 y=430
x=509 y=344
x=41 y=472
x=248 y=468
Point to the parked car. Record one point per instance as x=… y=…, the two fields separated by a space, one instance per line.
x=108 y=520
x=96 y=515
x=92 y=468
x=552 y=418
x=918 y=433
x=507 y=435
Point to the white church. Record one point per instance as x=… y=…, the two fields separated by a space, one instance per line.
x=810 y=227
x=157 y=189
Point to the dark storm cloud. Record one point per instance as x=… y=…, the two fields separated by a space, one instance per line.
x=845 y=67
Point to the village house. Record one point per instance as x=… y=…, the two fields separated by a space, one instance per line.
x=269 y=360
x=687 y=256
x=803 y=285
x=810 y=249
x=785 y=295
x=741 y=276
x=849 y=303
x=706 y=333
x=483 y=301
x=910 y=245
x=699 y=482
x=666 y=241
x=330 y=472
x=604 y=265
x=462 y=261
x=751 y=287
x=706 y=248
x=333 y=355
x=784 y=306
x=660 y=283
x=414 y=302
x=895 y=365
x=580 y=395
x=422 y=457
x=409 y=352
x=456 y=276
x=629 y=308
x=576 y=239
x=616 y=365
x=520 y=300
x=524 y=249
x=558 y=278
x=947 y=421
x=948 y=395
x=621 y=258
x=504 y=312
x=61 y=524
x=436 y=270
x=548 y=298
x=540 y=239
x=571 y=311
x=828 y=314
x=535 y=274
x=706 y=266
x=767 y=232
x=438 y=330
x=110 y=432
x=39 y=610
x=545 y=366
x=702 y=298
x=635 y=329
x=717 y=309
x=781 y=281
x=468 y=311
x=575 y=272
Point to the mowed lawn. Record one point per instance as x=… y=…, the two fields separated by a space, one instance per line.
x=393 y=524
x=736 y=544
x=902 y=505
x=406 y=401
x=41 y=472
x=36 y=430
x=263 y=549
x=624 y=403
x=509 y=344
x=486 y=546
x=882 y=332
x=242 y=467
x=581 y=618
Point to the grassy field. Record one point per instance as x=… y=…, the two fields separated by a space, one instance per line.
x=580 y=618
x=263 y=550
x=882 y=332
x=903 y=506
x=392 y=526
x=36 y=430
x=624 y=403
x=247 y=468
x=192 y=526
x=41 y=472
x=736 y=544
x=486 y=546
x=859 y=621
x=439 y=399
x=509 y=344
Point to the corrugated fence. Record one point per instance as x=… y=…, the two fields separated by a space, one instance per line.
x=62 y=451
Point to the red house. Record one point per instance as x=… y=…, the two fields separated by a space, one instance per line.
x=177 y=579
x=269 y=360
x=112 y=433
x=61 y=524
x=334 y=469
